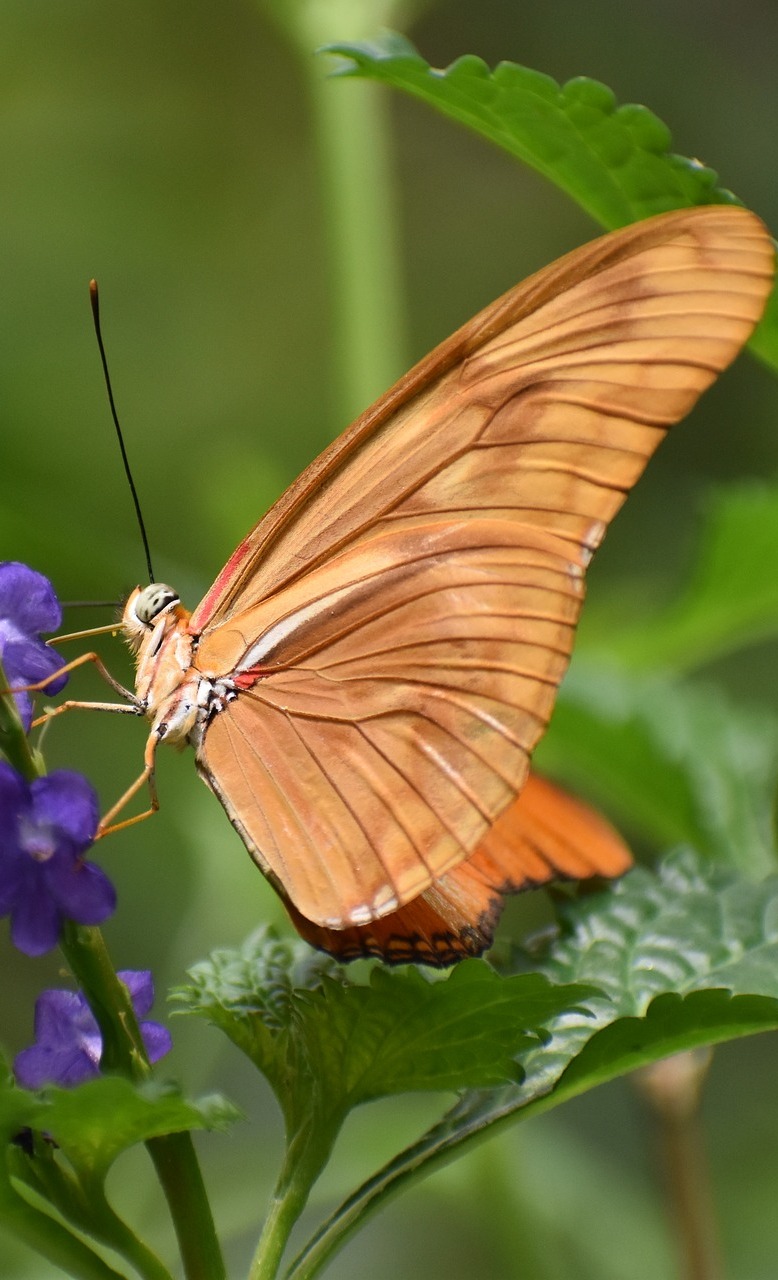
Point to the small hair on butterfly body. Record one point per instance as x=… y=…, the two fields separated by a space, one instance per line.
x=366 y=680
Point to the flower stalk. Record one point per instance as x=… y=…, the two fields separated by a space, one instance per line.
x=54 y=895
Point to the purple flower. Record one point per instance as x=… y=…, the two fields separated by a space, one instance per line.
x=68 y=1044
x=28 y=606
x=45 y=826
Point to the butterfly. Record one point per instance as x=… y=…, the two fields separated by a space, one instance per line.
x=366 y=680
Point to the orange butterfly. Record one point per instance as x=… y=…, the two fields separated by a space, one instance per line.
x=367 y=678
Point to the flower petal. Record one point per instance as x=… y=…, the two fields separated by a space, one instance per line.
x=28 y=598
x=13 y=792
x=67 y=802
x=65 y=1064
x=14 y=804
x=81 y=890
x=157 y=1039
x=28 y=660
x=44 y=827
x=68 y=1046
x=28 y=605
x=35 y=923
x=58 y=1012
x=11 y=881
x=140 y=985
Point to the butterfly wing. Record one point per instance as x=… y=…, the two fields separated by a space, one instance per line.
x=399 y=623
x=545 y=834
x=389 y=707
x=544 y=407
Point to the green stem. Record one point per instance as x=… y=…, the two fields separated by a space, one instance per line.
x=359 y=204
x=305 y=1157
x=689 y=1198
x=350 y=122
x=14 y=743
x=285 y=1208
x=173 y=1156
x=673 y=1088
x=444 y=1142
x=87 y=955
x=178 y=1170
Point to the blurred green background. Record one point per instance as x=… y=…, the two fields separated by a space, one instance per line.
x=168 y=148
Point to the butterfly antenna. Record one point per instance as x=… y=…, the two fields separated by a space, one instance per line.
x=91 y=604
x=94 y=298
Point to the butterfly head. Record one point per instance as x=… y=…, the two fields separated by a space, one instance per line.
x=144 y=609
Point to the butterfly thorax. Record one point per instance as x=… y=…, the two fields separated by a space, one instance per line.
x=178 y=699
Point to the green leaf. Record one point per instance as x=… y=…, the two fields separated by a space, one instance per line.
x=78 y=1134
x=404 y=1032
x=94 y=1123
x=251 y=995
x=18 y=1108
x=671 y=1024
x=615 y=161
x=673 y=762
x=684 y=957
x=325 y=1041
x=690 y=926
x=20 y=1114
x=732 y=596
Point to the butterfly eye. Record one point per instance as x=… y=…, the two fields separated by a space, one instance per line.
x=152 y=600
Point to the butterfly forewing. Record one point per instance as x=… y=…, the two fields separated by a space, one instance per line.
x=399 y=623
x=599 y=353
x=408 y=710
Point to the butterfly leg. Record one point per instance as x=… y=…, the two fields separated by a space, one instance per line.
x=129 y=709
x=107 y=825
x=133 y=707
x=67 y=667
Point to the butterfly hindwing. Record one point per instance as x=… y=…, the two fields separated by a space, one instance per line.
x=545 y=834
